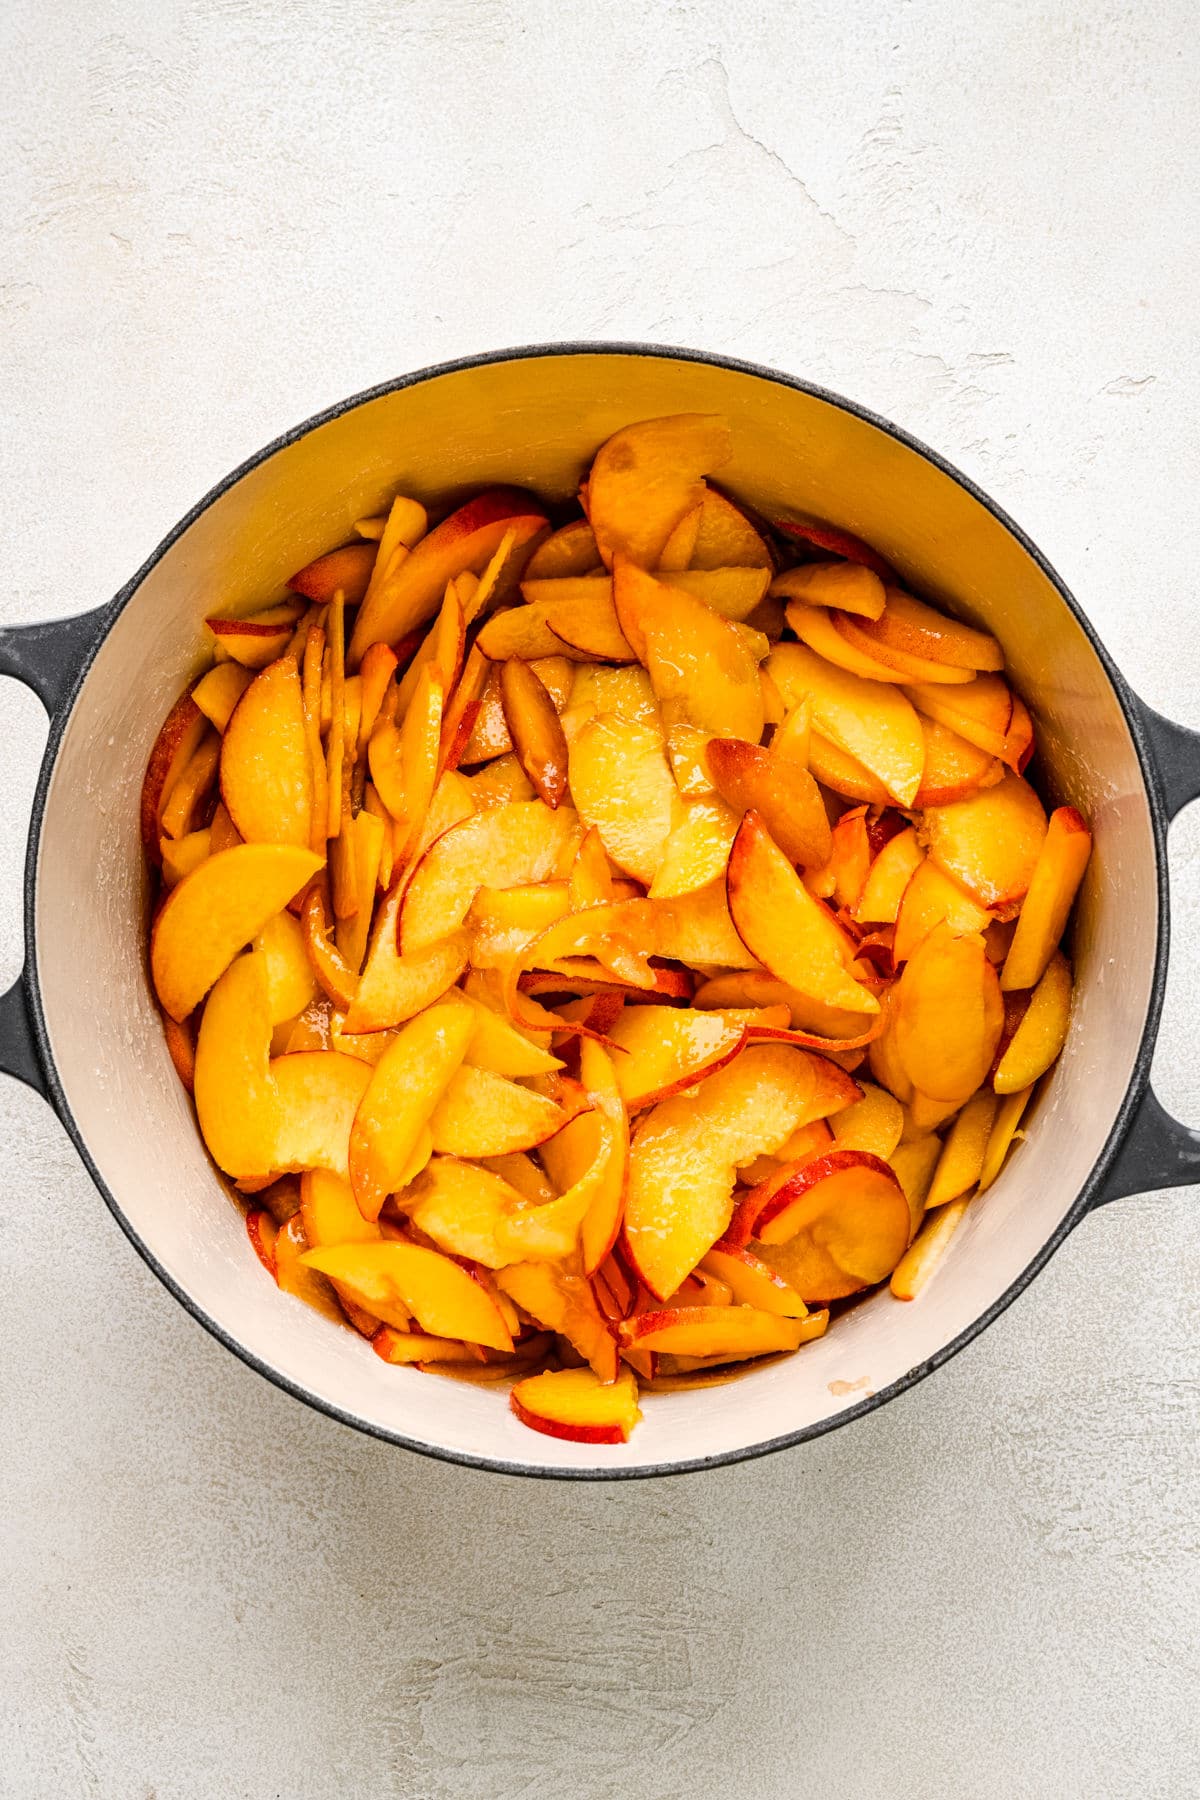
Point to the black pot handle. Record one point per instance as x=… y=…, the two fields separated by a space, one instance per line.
x=1158 y=1151
x=48 y=658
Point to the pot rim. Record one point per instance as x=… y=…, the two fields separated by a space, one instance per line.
x=1088 y=1193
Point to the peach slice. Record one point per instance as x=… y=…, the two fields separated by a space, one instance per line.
x=591 y=880
x=445 y=1299
x=736 y=594
x=980 y=711
x=181 y=855
x=701 y=667
x=505 y=921
x=295 y=1278
x=405 y=1087
x=954 y=768
x=990 y=843
x=402 y=1346
x=522 y=632
x=185 y=803
x=497 y=1045
x=411 y=590
x=726 y=538
x=647 y=477
x=1052 y=888
x=821 y=631
x=266 y=773
x=948 y=1015
x=218 y=692
x=534 y=727
x=260 y=639
x=784 y=795
x=329 y=1212
x=930 y=899
x=696 y=928
x=867 y=720
x=844 y=876
x=623 y=787
x=930 y=646
x=698 y=848
x=520 y=841
x=926 y=1251
x=262 y=1231
x=753 y=1282
x=348 y=569
x=363 y=835
x=404 y=763
x=581 y=610
x=913 y=1162
x=337 y=980
x=489 y=736
x=394 y=988
x=318 y=1094
x=174 y=747
x=290 y=981
x=843 y=774
x=574 y=1405
x=461 y=1207
x=678 y=550
x=684 y=1154
x=481 y=1114
x=564 y=1303
x=874 y=1123
x=591 y=1178
x=785 y=928
x=215 y=911
x=625 y=692
x=668 y=1049
x=571 y=550
x=1039 y=1038
x=961 y=1162
x=888 y=878
x=839 y=542
x=1004 y=1129
x=729 y=1333
x=850 y=587
x=835 y=1226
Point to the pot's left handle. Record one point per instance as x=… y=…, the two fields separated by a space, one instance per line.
x=49 y=659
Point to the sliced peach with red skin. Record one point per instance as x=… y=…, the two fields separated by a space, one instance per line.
x=176 y=744
x=586 y=1214
x=698 y=848
x=520 y=841
x=262 y=1231
x=401 y=1346
x=574 y=1405
x=753 y=1282
x=266 y=771
x=843 y=774
x=874 y=1123
x=564 y=1302
x=215 y=911
x=991 y=842
x=839 y=542
x=647 y=477
x=481 y=1114
x=461 y=1207
x=330 y=1213
x=1052 y=888
x=980 y=711
x=835 y=1226
x=785 y=928
x=489 y=736
x=932 y=898
x=1038 y=1039
x=909 y=626
x=823 y=633
x=571 y=550
x=412 y=590
x=534 y=727
x=181 y=1047
x=954 y=768
x=729 y=1333
x=948 y=1015
x=866 y=719
x=701 y=666
x=405 y=1088
x=317 y=1094
x=668 y=1049
x=260 y=639
x=623 y=787
x=684 y=1153
x=445 y=1299
x=348 y=568
x=334 y=974
x=888 y=877
x=850 y=587
x=784 y=795
x=844 y=875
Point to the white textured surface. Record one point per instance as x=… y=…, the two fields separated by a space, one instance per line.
x=217 y=218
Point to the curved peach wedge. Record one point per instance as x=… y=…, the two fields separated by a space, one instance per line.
x=1052 y=888
x=669 y=1048
x=461 y=1207
x=1042 y=1032
x=519 y=841
x=861 y=716
x=481 y=1114
x=700 y=665
x=647 y=477
x=266 y=770
x=785 y=796
x=405 y=1087
x=991 y=842
x=947 y=1016
x=215 y=911
x=412 y=589
x=785 y=928
x=573 y=1404
x=753 y=1282
x=622 y=785
x=730 y=1333
x=348 y=569
x=176 y=744
x=838 y=1224
x=534 y=727
x=445 y=1299
x=686 y=1150
x=565 y=1303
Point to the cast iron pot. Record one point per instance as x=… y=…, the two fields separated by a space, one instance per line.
x=80 y=1025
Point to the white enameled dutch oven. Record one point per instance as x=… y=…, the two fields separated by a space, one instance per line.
x=81 y=1026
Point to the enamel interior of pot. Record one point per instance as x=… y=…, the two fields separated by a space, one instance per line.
x=536 y=422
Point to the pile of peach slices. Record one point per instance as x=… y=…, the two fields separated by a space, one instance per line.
x=600 y=950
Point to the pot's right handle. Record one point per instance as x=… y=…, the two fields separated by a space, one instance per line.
x=1158 y=1151
x=47 y=658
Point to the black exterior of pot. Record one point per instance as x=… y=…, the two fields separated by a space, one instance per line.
x=1146 y=1149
